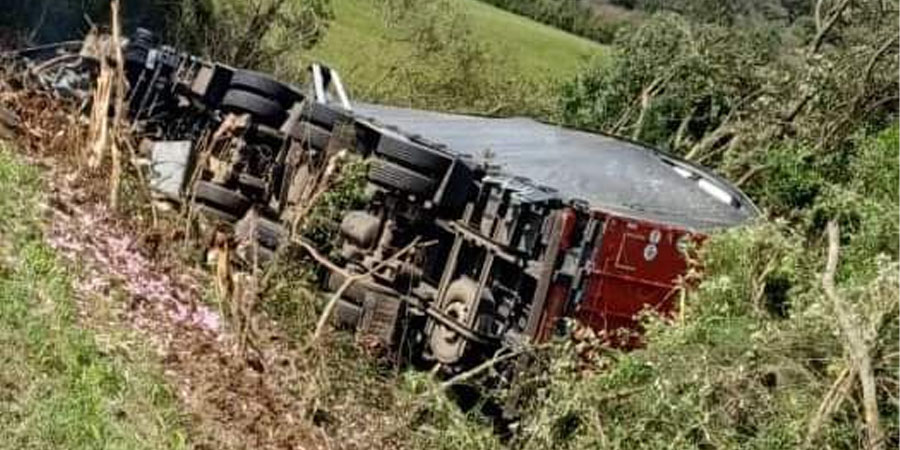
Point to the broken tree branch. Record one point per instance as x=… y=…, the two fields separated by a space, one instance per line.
x=890 y=43
x=349 y=279
x=723 y=131
x=855 y=343
x=747 y=176
x=646 y=99
x=483 y=367
x=823 y=29
x=678 y=140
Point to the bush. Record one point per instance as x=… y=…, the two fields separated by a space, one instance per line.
x=690 y=77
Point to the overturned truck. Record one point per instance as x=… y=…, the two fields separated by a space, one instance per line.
x=467 y=256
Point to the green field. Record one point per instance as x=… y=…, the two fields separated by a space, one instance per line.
x=363 y=50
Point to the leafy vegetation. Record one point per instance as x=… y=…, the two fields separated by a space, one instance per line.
x=59 y=389
x=725 y=95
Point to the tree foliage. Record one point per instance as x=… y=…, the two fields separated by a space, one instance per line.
x=724 y=95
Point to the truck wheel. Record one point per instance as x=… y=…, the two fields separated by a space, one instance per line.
x=324 y=115
x=221 y=198
x=414 y=155
x=396 y=177
x=266 y=111
x=270 y=234
x=262 y=84
x=310 y=134
x=447 y=346
x=215 y=214
x=136 y=56
x=252 y=187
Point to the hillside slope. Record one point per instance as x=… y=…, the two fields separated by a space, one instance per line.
x=361 y=46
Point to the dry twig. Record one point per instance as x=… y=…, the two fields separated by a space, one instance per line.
x=832 y=401
x=349 y=279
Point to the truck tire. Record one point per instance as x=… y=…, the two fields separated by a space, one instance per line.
x=144 y=37
x=264 y=110
x=446 y=345
x=252 y=187
x=270 y=234
x=310 y=134
x=215 y=214
x=221 y=198
x=262 y=84
x=413 y=155
x=399 y=178
x=324 y=115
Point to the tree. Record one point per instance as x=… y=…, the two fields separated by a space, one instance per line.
x=724 y=95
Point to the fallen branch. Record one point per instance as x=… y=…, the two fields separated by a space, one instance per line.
x=747 y=176
x=823 y=29
x=646 y=99
x=708 y=141
x=856 y=346
x=483 y=367
x=349 y=279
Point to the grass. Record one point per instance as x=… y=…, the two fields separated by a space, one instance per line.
x=59 y=387
x=537 y=48
x=361 y=47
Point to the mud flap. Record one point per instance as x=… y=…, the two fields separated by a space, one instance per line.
x=380 y=319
